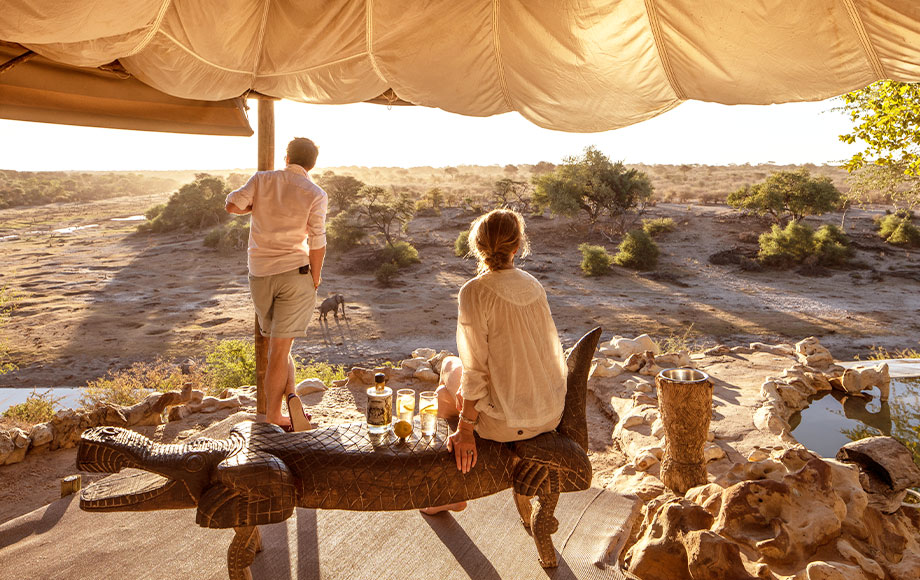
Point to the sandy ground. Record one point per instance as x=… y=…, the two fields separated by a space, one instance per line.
x=102 y=297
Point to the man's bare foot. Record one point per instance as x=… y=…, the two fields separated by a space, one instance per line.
x=454 y=507
x=282 y=421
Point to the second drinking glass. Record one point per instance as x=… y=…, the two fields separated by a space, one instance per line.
x=428 y=412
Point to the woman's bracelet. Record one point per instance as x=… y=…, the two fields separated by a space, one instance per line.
x=472 y=422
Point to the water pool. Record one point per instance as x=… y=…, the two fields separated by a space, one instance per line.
x=69 y=396
x=832 y=421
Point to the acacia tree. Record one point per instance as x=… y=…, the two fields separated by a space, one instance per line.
x=592 y=184
x=385 y=210
x=342 y=190
x=510 y=193
x=787 y=195
x=886 y=117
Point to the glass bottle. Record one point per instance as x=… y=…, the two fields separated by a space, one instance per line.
x=379 y=405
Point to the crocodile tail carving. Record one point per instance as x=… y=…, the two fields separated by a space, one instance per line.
x=574 y=423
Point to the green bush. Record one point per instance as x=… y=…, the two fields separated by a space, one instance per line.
x=462 y=244
x=195 y=206
x=796 y=243
x=832 y=246
x=431 y=203
x=637 y=251
x=231 y=364
x=154 y=212
x=386 y=273
x=906 y=234
x=654 y=227
x=323 y=371
x=897 y=229
x=233 y=235
x=400 y=253
x=784 y=247
x=37 y=408
x=595 y=260
x=344 y=231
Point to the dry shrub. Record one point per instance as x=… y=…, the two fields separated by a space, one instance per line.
x=132 y=385
x=37 y=408
x=657 y=226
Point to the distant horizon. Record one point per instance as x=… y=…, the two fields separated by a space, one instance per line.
x=366 y=135
x=369 y=167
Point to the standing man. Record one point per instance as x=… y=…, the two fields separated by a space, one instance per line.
x=287 y=245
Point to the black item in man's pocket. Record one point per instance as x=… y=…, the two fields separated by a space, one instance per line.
x=304 y=269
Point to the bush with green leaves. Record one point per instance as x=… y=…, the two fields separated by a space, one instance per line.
x=462 y=244
x=787 y=196
x=37 y=408
x=595 y=260
x=796 y=243
x=431 y=203
x=312 y=369
x=832 y=246
x=637 y=251
x=898 y=229
x=657 y=226
x=386 y=273
x=785 y=247
x=197 y=205
x=231 y=236
x=230 y=364
x=344 y=231
x=400 y=253
x=154 y=211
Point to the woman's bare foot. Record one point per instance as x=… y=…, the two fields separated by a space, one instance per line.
x=454 y=507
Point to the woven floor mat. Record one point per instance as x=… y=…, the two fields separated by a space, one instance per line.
x=484 y=542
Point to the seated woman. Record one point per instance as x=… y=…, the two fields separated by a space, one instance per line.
x=509 y=381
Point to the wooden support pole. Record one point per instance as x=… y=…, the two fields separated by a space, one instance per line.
x=26 y=56
x=266 y=163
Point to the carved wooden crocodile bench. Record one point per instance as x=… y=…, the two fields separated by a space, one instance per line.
x=260 y=473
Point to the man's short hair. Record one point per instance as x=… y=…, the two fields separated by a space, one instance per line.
x=302 y=151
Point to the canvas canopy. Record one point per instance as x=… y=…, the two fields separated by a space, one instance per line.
x=567 y=65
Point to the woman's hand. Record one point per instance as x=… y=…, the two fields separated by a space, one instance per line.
x=463 y=443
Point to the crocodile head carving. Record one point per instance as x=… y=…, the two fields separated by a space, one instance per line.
x=173 y=476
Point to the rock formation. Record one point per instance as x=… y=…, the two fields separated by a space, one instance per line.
x=772 y=511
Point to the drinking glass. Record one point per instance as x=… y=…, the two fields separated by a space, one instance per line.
x=428 y=412
x=405 y=404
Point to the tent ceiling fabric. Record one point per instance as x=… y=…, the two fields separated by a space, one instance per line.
x=567 y=65
x=43 y=91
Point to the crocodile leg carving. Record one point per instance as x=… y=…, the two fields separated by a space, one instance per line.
x=542 y=522
x=522 y=502
x=246 y=543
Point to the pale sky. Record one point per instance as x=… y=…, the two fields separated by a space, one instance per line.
x=373 y=135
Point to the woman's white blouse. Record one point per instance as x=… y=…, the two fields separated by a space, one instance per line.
x=512 y=358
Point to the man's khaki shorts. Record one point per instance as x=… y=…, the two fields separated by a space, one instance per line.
x=283 y=302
